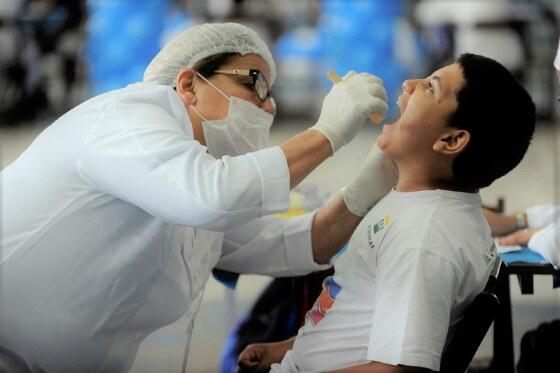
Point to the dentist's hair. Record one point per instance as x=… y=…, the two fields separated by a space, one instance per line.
x=201 y=41
x=208 y=66
x=500 y=116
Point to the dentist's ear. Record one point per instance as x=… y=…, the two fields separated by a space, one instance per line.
x=184 y=85
x=452 y=142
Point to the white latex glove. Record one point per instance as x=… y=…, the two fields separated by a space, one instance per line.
x=347 y=105
x=376 y=177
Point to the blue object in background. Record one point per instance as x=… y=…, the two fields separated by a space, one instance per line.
x=525 y=255
x=300 y=43
x=299 y=55
x=176 y=21
x=360 y=35
x=123 y=36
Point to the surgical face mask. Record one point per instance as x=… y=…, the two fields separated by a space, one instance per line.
x=246 y=128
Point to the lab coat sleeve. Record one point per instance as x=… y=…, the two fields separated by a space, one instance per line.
x=541 y=215
x=145 y=158
x=547 y=243
x=271 y=246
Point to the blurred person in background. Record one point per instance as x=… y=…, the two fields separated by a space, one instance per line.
x=116 y=214
x=538 y=228
x=557 y=62
x=22 y=94
x=40 y=41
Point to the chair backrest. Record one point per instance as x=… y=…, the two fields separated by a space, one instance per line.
x=470 y=331
x=10 y=362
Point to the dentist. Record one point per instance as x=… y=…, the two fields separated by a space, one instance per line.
x=114 y=217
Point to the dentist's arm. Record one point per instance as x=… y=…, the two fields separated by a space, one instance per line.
x=287 y=247
x=295 y=246
x=332 y=227
x=334 y=223
x=304 y=152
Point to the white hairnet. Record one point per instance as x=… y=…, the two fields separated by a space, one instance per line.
x=201 y=41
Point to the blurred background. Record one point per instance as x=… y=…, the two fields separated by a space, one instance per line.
x=57 y=53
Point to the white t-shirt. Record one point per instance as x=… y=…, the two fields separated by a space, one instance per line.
x=545 y=241
x=411 y=267
x=112 y=221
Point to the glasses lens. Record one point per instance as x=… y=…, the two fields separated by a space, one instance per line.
x=261 y=87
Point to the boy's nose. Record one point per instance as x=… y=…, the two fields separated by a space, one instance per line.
x=409 y=86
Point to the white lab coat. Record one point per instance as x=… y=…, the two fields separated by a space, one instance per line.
x=545 y=241
x=112 y=221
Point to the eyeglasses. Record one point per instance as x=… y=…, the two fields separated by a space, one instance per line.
x=258 y=82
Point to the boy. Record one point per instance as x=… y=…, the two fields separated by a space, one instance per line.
x=422 y=254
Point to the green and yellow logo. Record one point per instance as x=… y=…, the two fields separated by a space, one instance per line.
x=490 y=254
x=381 y=224
x=376 y=228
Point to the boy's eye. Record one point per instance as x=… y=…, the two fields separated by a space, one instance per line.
x=430 y=87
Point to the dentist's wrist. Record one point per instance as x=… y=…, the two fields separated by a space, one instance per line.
x=324 y=131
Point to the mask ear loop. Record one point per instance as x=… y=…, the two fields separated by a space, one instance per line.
x=198 y=113
x=213 y=86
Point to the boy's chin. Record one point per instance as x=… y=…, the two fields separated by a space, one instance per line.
x=382 y=143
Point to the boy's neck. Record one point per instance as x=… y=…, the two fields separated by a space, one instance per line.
x=414 y=178
x=407 y=183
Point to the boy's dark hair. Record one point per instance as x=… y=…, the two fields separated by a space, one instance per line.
x=500 y=117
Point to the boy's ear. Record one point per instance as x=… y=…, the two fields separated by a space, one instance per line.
x=452 y=142
x=185 y=85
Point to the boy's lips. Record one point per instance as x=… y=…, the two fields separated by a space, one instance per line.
x=402 y=103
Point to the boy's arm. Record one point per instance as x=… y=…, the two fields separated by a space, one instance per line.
x=259 y=357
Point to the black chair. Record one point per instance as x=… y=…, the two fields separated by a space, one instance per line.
x=10 y=362
x=470 y=331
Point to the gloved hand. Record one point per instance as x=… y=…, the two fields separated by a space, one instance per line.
x=347 y=105
x=376 y=176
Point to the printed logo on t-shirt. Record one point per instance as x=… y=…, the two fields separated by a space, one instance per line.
x=490 y=254
x=325 y=301
x=375 y=228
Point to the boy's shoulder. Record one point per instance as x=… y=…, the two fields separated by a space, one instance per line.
x=435 y=220
x=416 y=208
x=439 y=206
